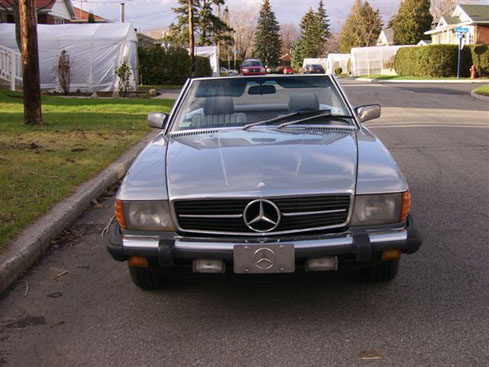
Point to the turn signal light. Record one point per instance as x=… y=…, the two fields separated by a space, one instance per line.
x=138 y=261
x=406 y=205
x=119 y=213
x=391 y=254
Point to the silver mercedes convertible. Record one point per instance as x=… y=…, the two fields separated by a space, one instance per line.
x=263 y=175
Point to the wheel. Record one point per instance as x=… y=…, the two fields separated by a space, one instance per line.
x=383 y=272
x=146 y=278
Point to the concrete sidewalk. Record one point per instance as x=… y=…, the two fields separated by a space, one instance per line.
x=427 y=81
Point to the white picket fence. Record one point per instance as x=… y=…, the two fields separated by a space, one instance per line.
x=10 y=66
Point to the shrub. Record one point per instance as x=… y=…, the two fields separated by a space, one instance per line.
x=159 y=65
x=338 y=71
x=431 y=61
x=202 y=67
x=479 y=56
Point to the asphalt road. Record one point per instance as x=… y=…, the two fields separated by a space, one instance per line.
x=77 y=307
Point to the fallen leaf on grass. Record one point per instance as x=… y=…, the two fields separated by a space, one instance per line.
x=369 y=355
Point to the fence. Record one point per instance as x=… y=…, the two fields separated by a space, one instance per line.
x=10 y=66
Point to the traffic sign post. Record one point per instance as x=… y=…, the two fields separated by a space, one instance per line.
x=460 y=32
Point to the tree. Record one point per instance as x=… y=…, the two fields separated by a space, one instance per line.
x=324 y=21
x=244 y=24
x=30 y=62
x=440 y=8
x=209 y=27
x=91 y=18
x=361 y=28
x=288 y=35
x=412 y=20
x=267 y=37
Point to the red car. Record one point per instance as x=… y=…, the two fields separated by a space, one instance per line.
x=288 y=70
x=252 y=67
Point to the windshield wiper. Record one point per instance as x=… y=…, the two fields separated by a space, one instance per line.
x=283 y=117
x=324 y=114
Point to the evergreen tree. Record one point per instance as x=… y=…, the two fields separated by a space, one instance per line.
x=314 y=32
x=208 y=27
x=413 y=19
x=361 y=28
x=267 y=37
x=324 y=21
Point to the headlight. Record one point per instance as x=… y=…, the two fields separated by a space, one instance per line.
x=380 y=209
x=147 y=215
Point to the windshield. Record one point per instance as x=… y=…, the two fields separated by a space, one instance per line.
x=228 y=102
x=252 y=63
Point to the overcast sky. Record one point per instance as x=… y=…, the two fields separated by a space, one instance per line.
x=150 y=14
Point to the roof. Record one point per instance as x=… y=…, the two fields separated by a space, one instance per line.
x=82 y=16
x=450 y=20
x=389 y=34
x=478 y=13
x=45 y=5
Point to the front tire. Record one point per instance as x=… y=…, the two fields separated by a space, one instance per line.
x=146 y=278
x=384 y=272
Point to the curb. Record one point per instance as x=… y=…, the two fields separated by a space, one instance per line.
x=479 y=96
x=32 y=242
x=424 y=81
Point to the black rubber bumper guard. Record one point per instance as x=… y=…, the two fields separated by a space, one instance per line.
x=361 y=247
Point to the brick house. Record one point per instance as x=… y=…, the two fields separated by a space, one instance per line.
x=49 y=11
x=473 y=17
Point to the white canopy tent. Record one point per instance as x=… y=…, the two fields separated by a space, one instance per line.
x=95 y=52
x=337 y=61
x=372 y=60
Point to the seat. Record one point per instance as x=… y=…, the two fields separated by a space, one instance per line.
x=303 y=102
x=218 y=112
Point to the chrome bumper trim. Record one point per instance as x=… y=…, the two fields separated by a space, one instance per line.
x=141 y=242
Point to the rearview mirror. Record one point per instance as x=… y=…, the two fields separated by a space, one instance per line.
x=157 y=120
x=261 y=90
x=368 y=112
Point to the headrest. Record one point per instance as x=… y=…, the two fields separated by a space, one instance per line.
x=218 y=105
x=303 y=102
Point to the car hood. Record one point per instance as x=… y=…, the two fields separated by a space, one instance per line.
x=261 y=162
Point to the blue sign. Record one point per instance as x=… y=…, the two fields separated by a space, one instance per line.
x=235 y=51
x=461 y=29
x=460 y=35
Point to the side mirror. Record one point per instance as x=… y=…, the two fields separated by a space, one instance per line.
x=368 y=112
x=157 y=120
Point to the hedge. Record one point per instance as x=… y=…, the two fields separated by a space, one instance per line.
x=159 y=65
x=441 y=60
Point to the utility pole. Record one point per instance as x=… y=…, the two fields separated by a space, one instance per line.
x=191 y=33
x=30 y=62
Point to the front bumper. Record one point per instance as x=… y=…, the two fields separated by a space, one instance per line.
x=362 y=244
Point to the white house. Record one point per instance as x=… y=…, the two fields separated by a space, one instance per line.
x=473 y=17
x=386 y=37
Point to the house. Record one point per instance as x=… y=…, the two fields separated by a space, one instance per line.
x=82 y=17
x=49 y=12
x=473 y=17
x=386 y=37
x=146 y=41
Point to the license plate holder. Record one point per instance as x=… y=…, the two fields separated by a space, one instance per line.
x=264 y=259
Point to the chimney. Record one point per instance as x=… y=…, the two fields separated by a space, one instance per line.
x=123 y=14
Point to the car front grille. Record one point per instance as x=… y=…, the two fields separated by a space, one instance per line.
x=225 y=216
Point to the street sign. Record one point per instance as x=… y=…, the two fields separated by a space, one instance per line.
x=235 y=51
x=460 y=35
x=461 y=29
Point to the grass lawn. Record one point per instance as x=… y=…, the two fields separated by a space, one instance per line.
x=162 y=86
x=397 y=77
x=484 y=90
x=41 y=165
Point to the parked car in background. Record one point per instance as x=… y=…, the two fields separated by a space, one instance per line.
x=252 y=67
x=314 y=69
x=228 y=72
x=263 y=175
x=288 y=70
